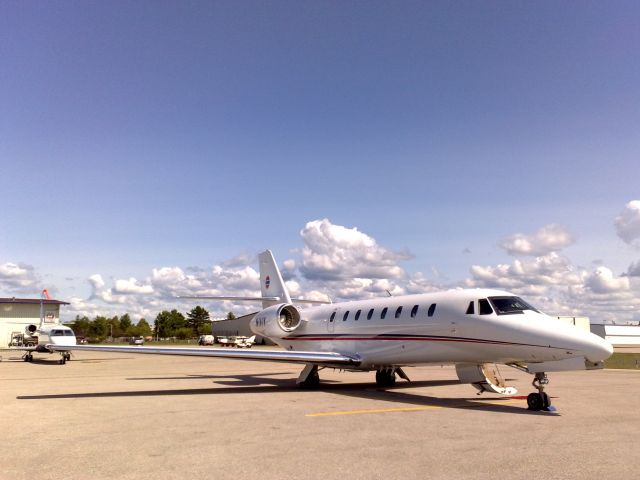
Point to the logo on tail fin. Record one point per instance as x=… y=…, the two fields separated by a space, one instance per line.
x=267 y=282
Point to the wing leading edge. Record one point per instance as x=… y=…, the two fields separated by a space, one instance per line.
x=316 y=358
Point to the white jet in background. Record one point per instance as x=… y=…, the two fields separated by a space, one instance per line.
x=473 y=329
x=47 y=335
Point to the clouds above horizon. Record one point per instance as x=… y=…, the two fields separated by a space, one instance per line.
x=628 y=223
x=550 y=238
x=18 y=278
x=334 y=252
x=345 y=263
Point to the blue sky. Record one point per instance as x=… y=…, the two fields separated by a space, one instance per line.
x=142 y=135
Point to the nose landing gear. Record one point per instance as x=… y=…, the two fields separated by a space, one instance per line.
x=540 y=400
x=65 y=356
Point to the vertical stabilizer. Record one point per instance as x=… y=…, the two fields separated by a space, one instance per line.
x=271 y=283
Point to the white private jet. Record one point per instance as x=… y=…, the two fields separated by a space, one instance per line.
x=56 y=335
x=471 y=329
x=47 y=334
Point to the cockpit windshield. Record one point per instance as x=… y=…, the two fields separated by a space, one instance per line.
x=61 y=333
x=510 y=305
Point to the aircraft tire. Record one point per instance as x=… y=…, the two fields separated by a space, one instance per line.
x=536 y=401
x=385 y=378
x=546 y=401
x=312 y=381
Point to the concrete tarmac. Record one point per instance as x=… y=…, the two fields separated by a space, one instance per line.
x=127 y=416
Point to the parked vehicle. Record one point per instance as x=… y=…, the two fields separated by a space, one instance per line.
x=244 y=342
x=206 y=340
x=136 y=340
x=237 y=341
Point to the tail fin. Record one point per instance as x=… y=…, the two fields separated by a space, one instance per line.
x=271 y=283
x=272 y=286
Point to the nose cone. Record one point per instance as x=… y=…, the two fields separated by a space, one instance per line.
x=597 y=349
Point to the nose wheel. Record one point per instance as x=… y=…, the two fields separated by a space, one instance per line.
x=539 y=400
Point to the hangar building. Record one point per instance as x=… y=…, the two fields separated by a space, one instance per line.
x=16 y=314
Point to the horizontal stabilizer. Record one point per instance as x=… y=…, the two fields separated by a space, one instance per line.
x=314 y=302
x=241 y=299
x=257 y=299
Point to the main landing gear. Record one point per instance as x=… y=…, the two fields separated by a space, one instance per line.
x=386 y=377
x=309 y=377
x=65 y=356
x=27 y=357
x=540 y=400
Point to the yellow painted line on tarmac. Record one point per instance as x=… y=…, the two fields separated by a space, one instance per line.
x=406 y=409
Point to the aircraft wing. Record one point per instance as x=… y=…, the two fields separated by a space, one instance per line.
x=316 y=358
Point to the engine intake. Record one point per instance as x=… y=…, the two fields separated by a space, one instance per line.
x=276 y=320
x=30 y=329
x=289 y=318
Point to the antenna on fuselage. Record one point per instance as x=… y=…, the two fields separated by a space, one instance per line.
x=388 y=292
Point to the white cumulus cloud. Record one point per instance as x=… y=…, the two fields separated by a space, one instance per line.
x=602 y=280
x=550 y=238
x=526 y=276
x=628 y=223
x=333 y=252
x=131 y=286
x=18 y=277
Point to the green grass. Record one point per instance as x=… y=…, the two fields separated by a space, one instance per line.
x=623 y=360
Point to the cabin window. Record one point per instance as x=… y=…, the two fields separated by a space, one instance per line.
x=484 y=307
x=57 y=333
x=414 y=311
x=398 y=312
x=370 y=314
x=358 y=314
x=470 y=310
x=332 y=317
x=384 y=312
x=344 y=317
x=432 y=309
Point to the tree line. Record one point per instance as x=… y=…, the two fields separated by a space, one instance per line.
x=168 y=324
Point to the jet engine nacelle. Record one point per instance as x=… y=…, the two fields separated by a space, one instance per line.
x=30 y=329
x=485 y=378
x=276 y=320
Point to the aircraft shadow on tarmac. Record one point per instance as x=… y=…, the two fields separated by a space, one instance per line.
x=262 y=384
